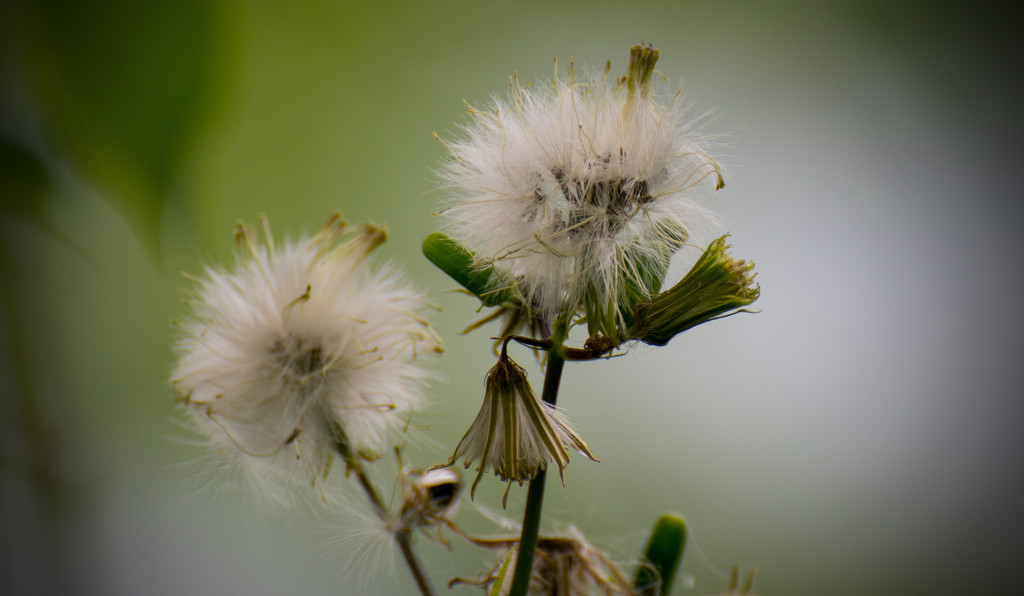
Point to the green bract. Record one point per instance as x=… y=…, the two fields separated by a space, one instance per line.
x=716 y=285
x=464 y=267
x=643 y=272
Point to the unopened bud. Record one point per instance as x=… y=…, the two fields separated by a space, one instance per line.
x=716 y=286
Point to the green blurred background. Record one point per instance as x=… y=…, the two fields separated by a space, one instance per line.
x=859 y=436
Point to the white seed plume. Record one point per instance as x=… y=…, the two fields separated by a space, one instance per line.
x=300 y=349
x=566 y=186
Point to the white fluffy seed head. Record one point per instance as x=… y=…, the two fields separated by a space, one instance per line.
x=297 y=344
x=561 y=185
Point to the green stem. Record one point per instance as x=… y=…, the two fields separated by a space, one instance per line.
x=404 y=539
x=594 y=349
x=403 y=536
x=535 y=494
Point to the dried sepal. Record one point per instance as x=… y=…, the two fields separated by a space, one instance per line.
x=566 y=565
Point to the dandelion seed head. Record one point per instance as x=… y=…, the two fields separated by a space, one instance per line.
x=565 y=186
x=297 y=344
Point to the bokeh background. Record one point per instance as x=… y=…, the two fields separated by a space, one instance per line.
x=862 y=435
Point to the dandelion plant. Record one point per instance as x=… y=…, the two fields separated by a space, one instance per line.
x=565 y=203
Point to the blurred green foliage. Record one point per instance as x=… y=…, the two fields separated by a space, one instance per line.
x=124 y=87
x=24 y=182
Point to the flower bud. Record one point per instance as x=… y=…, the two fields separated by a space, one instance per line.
x=716 y=285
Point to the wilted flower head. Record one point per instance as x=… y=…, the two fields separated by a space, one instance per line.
x=300 y=351
x=565 y=565
x=516 y=434
x=431 y=497
x=571 y=189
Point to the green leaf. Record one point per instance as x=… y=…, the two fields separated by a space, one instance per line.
x=123 y=86
x=462 y=265
x=661 y=560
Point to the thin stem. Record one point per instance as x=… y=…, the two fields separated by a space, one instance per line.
x=369 y=489
x=403 y=536
x=404 y=539
x=553 y=377
x=595 y=348
x=535 y=494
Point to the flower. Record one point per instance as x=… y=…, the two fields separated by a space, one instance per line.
x=302 y=351
x=515 y=433
x=571 y=190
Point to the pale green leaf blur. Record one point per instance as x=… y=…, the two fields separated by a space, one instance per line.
x=858 y=436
